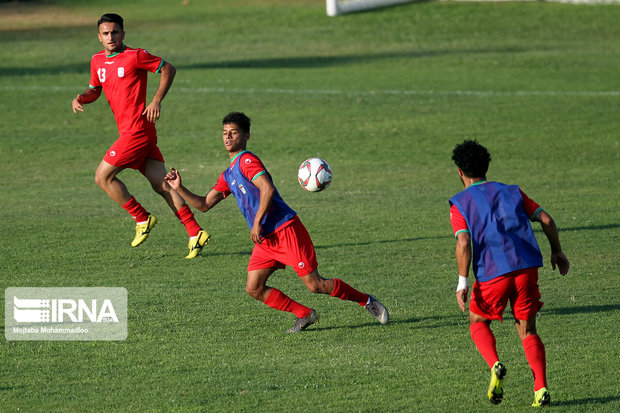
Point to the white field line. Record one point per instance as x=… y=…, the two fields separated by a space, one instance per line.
x=344 y=92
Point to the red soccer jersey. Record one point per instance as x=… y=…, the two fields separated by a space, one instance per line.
x=123 y=77
x=251 y=167
x=459 y=224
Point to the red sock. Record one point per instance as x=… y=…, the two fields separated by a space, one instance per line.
x=484 y=339
x=344 y=291
x=186 y=216
x=280 y=301
x=137 y=211
x=536 y=357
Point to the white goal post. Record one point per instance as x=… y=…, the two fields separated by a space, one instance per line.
x=337 y=7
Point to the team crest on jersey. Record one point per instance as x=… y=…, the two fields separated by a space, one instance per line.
x=242 y=188
x=248 y=161
x=121 y=72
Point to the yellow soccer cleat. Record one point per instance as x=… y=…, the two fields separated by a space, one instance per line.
x=541 y=398
x=496 y=386
x=143 y=230
x=195 y=245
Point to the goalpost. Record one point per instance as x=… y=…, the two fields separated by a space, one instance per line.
x=337 y=7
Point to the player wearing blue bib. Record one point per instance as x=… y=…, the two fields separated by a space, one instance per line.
x=248 y=197
x=501 y=234
x=491 y=224
x=278 y=235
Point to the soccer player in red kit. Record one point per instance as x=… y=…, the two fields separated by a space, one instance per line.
x=491 y=222
x=121 y=72
x=278 y=235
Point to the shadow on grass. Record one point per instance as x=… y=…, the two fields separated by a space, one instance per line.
x=415 y=322
x=7 y=388
x=582 y=228
x=342 y=245
x=83 y=68
x=378 y=242
x=304 y=62
x=587 y=400
x=441 y=321
x=591 y=228
x=284 y=62
x=583 y=309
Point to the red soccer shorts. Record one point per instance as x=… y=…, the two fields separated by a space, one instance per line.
x=132 y=150
x=289 y=245
x=489 y=298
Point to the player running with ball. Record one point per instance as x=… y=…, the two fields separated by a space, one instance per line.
x=491 y=225
x=121 y=72
x=278 y=235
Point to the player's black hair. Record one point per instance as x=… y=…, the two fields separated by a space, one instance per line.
x=472 y=158
x=238 y=118
x=111 y=18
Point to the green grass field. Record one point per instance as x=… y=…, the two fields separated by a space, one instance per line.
x=383 y=96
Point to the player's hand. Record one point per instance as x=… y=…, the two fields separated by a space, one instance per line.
x=255 y=234
x=152 y=111
x=76 y=105
x=174 y=179
x=461 y=299
x=559 y=259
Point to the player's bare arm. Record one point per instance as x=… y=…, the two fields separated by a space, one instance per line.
x=551 y=232
x=89 y=96
x=202 y=203
x=266 y=196
x=463 y=260
x=153 y=110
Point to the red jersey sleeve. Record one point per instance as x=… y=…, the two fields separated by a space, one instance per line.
x=149 y=62
x=94 y=77
x=222 y=186
x=458 y=221
x=251 y=167
x=531 y=207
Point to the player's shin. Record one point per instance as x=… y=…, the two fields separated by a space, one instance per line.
x=280 y=301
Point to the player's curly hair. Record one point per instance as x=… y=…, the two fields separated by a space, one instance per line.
x=240 y=119
x=111 y=18
x=472 y=158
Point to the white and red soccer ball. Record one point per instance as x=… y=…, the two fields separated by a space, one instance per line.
x=314 y=175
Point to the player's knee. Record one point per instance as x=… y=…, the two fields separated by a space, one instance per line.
x=101 y=180
x=317 y=284
x=159 y=187
x=317 y=287
x=253 y=291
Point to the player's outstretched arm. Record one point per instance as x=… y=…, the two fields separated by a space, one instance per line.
x=202 y=203
x=89 y=96
x=153 y=110
x=551 y=232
